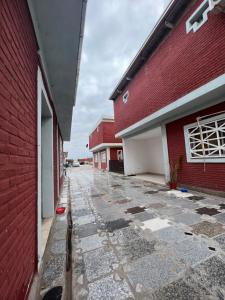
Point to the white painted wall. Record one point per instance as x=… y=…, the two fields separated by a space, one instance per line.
x=143 y=155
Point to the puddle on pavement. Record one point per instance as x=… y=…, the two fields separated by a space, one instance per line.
x=123 y=201
x=150 y=192
x=207 y=211
x=117 y=224
x=54 y=293
x=135 y=210
x=196 y=198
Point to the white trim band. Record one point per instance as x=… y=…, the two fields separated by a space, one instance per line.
x=105 y=145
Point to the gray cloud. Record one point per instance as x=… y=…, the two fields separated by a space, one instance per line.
x=114 y=32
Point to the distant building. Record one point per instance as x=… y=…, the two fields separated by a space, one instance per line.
x=170 y=101
x=106 y=148
x=85 y=161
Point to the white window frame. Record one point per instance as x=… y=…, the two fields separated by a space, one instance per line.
x=125 y=96
x=201 y=13
x=119 y=152
x=206 y=159
x=103 y=156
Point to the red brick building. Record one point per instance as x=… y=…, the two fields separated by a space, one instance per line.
x=106 y=148
x=171 y=100
x=39 y=62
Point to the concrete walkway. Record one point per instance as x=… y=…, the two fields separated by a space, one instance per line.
x=134 y=240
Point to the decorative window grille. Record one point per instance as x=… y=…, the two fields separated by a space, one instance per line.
x=205 y=140
x=125 y=97
x=120 y=154
x=103 y=156
x=200 y=15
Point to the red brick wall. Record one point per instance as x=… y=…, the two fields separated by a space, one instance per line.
x=113 y=153
x=18 y=150
x=18 y=156
x=104 y=134
x=193 y=173
x=181 y=63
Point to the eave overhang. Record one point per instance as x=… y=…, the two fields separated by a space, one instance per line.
x=158 y=34
x=59 y=27
x=104 y=146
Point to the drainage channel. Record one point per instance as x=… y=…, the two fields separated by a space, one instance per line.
x=68 y=281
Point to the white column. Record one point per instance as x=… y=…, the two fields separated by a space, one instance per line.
x=107 y=157
x=165 y=153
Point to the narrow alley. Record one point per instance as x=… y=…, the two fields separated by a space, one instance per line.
x=135 y=240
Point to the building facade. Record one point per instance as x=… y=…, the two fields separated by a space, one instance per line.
x=106 y=148
x=39 y=58
x=170 y=103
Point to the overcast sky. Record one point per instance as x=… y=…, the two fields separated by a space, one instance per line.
x=114 y=32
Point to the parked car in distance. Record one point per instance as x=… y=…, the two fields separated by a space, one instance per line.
x=76 y=164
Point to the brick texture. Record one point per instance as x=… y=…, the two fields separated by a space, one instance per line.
x=180 y=64
x=214 y=175
x=18 y=150
x=113 y=153
x=104 y=133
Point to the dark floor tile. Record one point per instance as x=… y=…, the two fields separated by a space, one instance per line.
x=136 y=249
x=211 y=273
x=196 y=198
x=150 y=192
x=135 y=210
x=117 y=224
x=208 y=228
x=181 y=290
x=207 y=211
x=86 y=230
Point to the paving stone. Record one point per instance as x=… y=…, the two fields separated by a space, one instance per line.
x=220 y=218
x=208 y=228
x=91 y=242
x=170 y=234
x=124 y=236
x=60 y=234
x=144 y=216
x=53 y=270
x=153 y=271
x=170 y=211
x=156 y=205
x=84 y=219
x=211 y=273
x=207 y=211
x=135 y=249
x=191 y=251
x=81 y=212
x=117 y=224
x=99 y=262
x=187 y=218
x=135 y=209
x=58 y=247
x=181 y=290
x=155 y=224
x=86 y=230
x=123 y=201
x=221 y=240
x=79 y=267
x=108 y=289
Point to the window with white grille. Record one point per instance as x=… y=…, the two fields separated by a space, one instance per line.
x=103 y=156
x=205 y=140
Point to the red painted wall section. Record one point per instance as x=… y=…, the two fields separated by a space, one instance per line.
x=113 y=153
x=180 y=64
x=104 y=133
x=214 y=175
x=18 y=145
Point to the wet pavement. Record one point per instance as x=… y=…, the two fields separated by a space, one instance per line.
x=136 y=240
